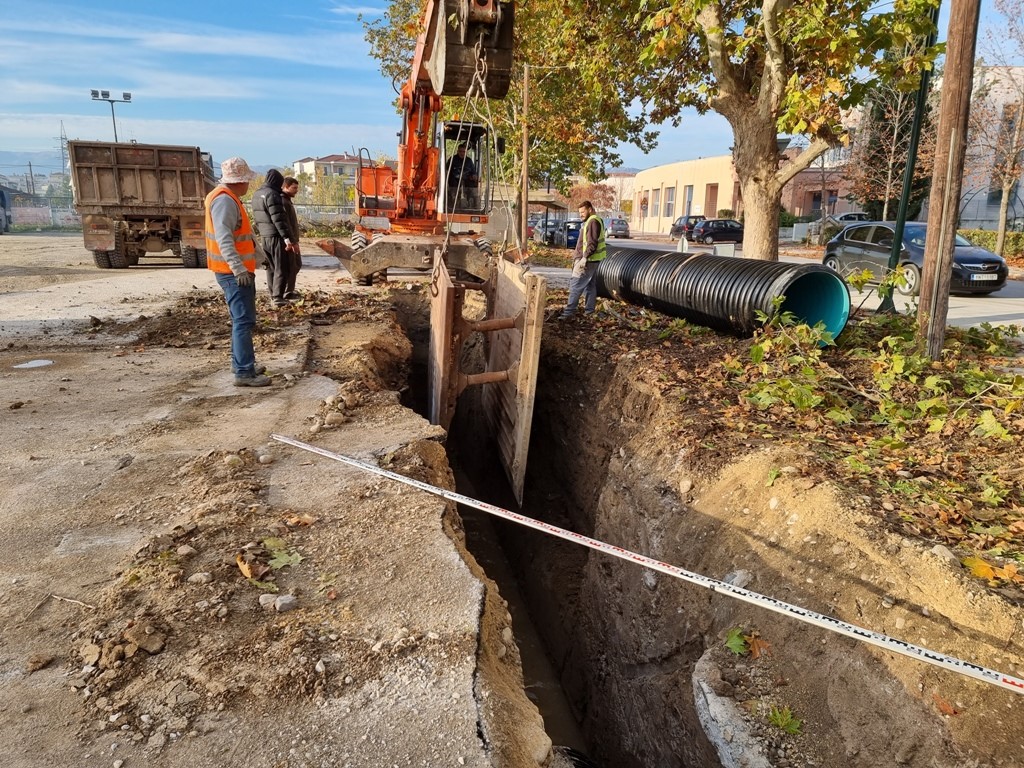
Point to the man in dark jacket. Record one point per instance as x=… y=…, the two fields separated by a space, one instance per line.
x=290 y=190
x=462 y=179
x=271 y=222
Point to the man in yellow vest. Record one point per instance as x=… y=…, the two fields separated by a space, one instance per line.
x=590 y=251
x=231 y=254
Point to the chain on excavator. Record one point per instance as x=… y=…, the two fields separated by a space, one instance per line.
x=468 y=36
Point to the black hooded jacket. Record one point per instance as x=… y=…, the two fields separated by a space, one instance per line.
x=268 y=212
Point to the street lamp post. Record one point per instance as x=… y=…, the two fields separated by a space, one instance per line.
x=105 y=96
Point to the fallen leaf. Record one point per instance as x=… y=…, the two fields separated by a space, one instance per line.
x=944 y=706
x=300 y=519
x=758 y=646
x=243 y=566
x=1008 y=572
x=979 y=568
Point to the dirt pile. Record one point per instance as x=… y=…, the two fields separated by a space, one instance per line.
x=180 y=590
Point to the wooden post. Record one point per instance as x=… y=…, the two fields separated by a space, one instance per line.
x=524 y=214
x=947 y=179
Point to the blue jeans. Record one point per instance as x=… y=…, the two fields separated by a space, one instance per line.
x=242 y=308
x=582 y=283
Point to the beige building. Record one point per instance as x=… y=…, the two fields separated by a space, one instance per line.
x=688 y=188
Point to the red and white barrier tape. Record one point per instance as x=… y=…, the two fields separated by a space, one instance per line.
x=1009 y=682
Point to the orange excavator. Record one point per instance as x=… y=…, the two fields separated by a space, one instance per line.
x=437 y=200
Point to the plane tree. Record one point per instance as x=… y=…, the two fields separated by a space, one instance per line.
x=769 y=67
x=574 y=127
x=775 y=67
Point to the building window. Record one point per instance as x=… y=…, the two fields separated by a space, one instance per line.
x=655 y=201
x=670 y=202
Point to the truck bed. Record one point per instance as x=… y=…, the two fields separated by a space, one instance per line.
x=138 y=179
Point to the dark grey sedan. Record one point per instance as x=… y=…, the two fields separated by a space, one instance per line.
x=867 y=245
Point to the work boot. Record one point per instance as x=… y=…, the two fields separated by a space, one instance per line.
x=293 y=296
x=257 y=370
x=253 y=380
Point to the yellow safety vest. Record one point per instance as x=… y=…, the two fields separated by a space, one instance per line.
x=602 y=250
x=244 y=242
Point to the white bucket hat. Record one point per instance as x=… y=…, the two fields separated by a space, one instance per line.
x=235 y=170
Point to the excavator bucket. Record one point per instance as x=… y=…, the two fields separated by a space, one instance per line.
x=471 y=53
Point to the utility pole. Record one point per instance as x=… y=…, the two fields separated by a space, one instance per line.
x=951 y=146
x=31 y=181
x=525 y=199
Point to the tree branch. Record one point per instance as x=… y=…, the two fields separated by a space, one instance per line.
x=731 y=83
x=773 y=76
x=802 y=161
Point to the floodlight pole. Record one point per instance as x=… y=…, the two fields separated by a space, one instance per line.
x=98 y=96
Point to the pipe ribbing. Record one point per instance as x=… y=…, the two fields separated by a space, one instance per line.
x=724 y=292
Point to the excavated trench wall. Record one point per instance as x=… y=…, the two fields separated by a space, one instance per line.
x=606 y=461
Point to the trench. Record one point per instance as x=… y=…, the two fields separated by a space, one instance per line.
x=606 y=688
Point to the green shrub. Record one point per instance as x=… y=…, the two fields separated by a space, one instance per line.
x=726 y=213
x=786 y=219
x=986 y=238
x=831 y=231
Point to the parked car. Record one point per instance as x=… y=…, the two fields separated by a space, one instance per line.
x=544 y=231
x=867 y=245
x=568 y=233
x=683 y=226
x=717 y=231
x=853 y=216
x=616 y=228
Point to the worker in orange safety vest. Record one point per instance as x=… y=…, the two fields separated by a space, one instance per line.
x=231 y=254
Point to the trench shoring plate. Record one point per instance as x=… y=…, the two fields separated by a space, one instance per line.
x=509 y=404
x=443 y=306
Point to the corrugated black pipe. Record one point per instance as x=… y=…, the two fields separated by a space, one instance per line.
x=724 y=292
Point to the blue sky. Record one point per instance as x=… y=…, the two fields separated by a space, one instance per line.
x=270 y=81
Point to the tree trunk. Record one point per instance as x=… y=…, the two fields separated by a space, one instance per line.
x=761 y=206
x=1004 y=207
x=756 y=159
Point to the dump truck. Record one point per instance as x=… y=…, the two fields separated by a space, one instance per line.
x=140 y=200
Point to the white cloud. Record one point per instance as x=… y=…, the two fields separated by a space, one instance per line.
x=260 y=142
x=344 y=9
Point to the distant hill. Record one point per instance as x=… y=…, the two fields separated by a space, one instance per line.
x=16 y=163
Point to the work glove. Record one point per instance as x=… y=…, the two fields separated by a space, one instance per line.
x=246 y=279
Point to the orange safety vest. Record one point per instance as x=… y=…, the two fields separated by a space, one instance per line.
x=245 y=244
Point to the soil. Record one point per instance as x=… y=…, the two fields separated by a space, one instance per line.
x=150 y=526
x=634 y=445
x=153 y=537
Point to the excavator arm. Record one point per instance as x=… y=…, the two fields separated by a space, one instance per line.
x=464 y=49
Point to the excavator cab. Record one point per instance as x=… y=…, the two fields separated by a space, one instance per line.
x=465 y=172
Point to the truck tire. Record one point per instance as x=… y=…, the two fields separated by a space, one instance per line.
x=119 y=256
x=201 y=257
x=101 y=259
x=189 y=257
